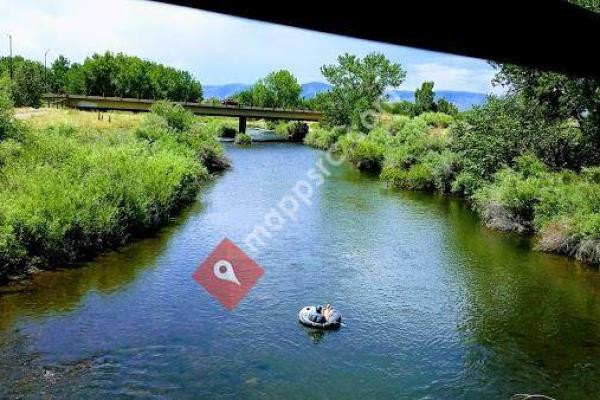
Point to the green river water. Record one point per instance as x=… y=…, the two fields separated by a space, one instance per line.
x=435 y=305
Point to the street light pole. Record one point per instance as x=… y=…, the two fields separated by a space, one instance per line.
x=45 y=71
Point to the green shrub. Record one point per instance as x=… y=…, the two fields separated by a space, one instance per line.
x=208 y=150
x=297 y=131
x=366 y=152
x=512 y=192
x=493 y=136
x=323 y=138
x=154 y=127
x=69 y=193
x=591 y=174
x=12 y=252
x=243 y=139
x=437 y=119
x=398 y=123
x=405 y=108
x=280 y=127
x=198 y=137
x=7 y=121
x=177 y=117
x=417 y=177
x=444 y=167
x=227 y=132
x=466 y=183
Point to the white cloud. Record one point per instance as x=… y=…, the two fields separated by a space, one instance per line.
x=447 y=77
x=215 y=48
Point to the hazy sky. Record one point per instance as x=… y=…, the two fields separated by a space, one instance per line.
x=217 y=49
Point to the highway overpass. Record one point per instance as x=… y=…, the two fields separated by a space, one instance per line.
x=143 y=105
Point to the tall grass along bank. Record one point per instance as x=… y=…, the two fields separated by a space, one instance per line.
x=526 y=174
x=71 y=190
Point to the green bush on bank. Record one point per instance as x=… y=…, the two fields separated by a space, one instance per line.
x=518 y=172
x=68 y=193
x=8 y=124
x=365 y=152
x=563 y=207
x=323 y=138
x=243 y=139
x=494 y=135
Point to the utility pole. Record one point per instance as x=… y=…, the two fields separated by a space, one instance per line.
x=10 y=59
x=45 y=71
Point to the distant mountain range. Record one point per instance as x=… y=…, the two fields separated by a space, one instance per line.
x=463 y=100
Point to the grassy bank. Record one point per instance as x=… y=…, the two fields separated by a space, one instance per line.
x=73 y=185
x=518 y=175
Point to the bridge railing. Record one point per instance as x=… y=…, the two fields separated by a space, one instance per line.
x=66 y=97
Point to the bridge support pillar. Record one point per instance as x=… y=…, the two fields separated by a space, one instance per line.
x=242 y=126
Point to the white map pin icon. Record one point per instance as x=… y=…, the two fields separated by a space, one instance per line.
x=224 y=270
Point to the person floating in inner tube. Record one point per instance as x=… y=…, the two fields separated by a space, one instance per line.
x=327 y=311
x=317 y=316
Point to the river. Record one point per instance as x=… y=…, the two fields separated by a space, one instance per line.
x=435 y=305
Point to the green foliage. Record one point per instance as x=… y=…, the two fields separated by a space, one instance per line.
x=405 y=108
x=425 y=98
x=175 y=115
x=512 y=192
x=280 y=127
x=590 y=5
x=494 y=135
x=69 y=193
x=207 y=148
x=557 y=98
x=424 y=102
x=398 y=123
x=227 y=132
x=105 y=74
x=358 y=84
x=6 y=109
x=417 y=157
x=437 y=119
x=323 y=138
x=365 y=152
x=59 y=71
x=444 y=106
x=27 y=82
x=297 y=131
x=11 y=251
x=562 y=206
x=167 y=121
x=278 y=89
x=243 y=139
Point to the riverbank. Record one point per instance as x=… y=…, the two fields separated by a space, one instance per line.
x=514 y=184
x=77 y=183
x=452 y=301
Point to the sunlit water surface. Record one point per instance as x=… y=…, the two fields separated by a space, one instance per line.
x=435 y=305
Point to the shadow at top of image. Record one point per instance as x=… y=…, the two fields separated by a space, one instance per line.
x=548 y=37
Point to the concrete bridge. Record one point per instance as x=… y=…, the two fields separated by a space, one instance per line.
x=141 y=105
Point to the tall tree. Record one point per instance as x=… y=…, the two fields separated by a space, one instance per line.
x=558 y=96
x=6 y=107
x=58 y=74
x=28 y=83
x=284 y=87
x=425 y=98
x=358 y=84
x=278 y=89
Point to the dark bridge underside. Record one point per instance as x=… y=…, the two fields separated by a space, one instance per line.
x=548 y=34
x=142 y=105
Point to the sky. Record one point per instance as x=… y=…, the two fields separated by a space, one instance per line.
x=216 y=49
